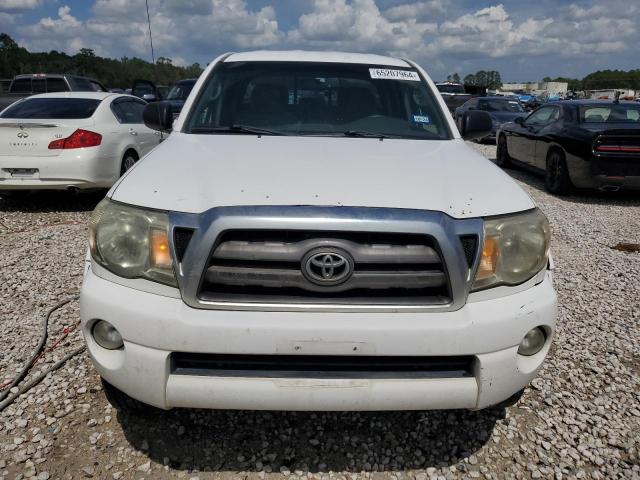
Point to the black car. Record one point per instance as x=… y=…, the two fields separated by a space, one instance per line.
x=179 y=93
x=501 y=110
x=453 y=94
x=581 y=143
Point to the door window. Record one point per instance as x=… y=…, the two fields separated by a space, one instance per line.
x=22 y=85
x=543 y=116
x=128 y=111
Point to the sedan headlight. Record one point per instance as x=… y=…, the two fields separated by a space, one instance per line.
x=131 y=242
x=514 y=249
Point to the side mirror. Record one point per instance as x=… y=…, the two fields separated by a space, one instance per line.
x=475 y=124
x=519 y=120
x=158 y=116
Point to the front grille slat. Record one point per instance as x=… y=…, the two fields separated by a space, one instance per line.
x=292 y=252
x=273 y=266
x=320 y=366
x=287 y=278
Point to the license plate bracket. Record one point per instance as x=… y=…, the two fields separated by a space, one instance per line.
x=21 y=172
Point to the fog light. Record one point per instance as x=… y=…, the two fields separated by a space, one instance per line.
x=106 y=335
x=532 y=342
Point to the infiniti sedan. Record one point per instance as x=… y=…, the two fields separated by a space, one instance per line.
x=72 y=140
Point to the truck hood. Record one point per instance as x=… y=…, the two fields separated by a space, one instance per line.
x=193 y=173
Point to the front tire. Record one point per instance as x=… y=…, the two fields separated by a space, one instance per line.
x=557 y=178
x=503 y=160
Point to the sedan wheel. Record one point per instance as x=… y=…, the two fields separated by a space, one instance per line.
x=502 y=154
x=557 y=175
x=128 y=162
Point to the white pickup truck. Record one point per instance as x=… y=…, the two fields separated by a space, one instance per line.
x=315 y=235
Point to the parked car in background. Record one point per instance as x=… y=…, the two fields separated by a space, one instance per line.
x=501 y=110
x=149 y=91
x=529 y=102
x=179 y=93
x=315 y=234
x=73 y=141
x=23 y=86
x=454 y=94
x=581 y=143
x=4 y=84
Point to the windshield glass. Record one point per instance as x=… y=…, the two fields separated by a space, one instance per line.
x=52 y=108
x=620 y=113
x=180 y=91
x=499 y=105
x=450 y=88
x=298 y=98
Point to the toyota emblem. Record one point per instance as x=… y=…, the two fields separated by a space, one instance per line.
x=327 y=266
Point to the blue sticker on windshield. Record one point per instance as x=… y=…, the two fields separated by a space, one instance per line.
x=421 y=119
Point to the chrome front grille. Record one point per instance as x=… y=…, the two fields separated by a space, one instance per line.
x=324 y=267
x=246 y=258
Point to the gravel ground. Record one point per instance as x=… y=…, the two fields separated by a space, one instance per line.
x=579 y=419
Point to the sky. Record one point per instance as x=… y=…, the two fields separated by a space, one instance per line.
x=523 y=40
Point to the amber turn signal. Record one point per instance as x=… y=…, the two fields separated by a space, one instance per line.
x=489 y=260
x=160 y=255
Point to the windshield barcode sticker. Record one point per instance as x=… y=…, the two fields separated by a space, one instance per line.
x=388 y=74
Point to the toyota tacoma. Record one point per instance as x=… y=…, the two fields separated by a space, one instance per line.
x=315 y=234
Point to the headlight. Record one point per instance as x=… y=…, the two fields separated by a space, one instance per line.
x=514 y=249
x=131 y=242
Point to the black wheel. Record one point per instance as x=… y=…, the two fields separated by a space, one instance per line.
x=503 y=159
x=125 y=404
x=557 y=178
x=128 y=161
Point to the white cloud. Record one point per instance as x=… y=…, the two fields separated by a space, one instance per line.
x=419 y=11
x=16 y=5
x=438 y=33
x=358 y=25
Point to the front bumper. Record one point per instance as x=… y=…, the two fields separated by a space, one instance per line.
x=154 y=326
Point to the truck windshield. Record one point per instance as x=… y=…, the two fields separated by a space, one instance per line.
x=52 y=108
x=320 y=99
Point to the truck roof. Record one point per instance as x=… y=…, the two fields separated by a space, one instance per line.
x=309 y=56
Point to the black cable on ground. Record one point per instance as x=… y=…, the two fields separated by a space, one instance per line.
x=33 y=382
x=37 y=350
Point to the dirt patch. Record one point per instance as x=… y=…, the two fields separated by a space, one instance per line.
x=627 y=247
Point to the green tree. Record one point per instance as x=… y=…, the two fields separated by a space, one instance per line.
x=454 y=78
x=112 y=73
x=470 y=80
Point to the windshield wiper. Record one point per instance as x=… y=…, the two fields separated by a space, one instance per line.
x=363 y=134
x=243 y=129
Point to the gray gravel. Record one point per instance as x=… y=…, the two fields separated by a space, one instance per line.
x=579 y=419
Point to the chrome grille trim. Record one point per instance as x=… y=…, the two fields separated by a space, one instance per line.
x=209 y=225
